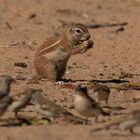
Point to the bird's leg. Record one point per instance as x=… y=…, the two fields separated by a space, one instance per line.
x=131 y=130
x=106 y=102
x=96 y=98
x=16 y=113
x=86 y=121
x=96 y=119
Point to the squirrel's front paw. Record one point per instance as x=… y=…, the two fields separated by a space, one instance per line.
x=87 y=45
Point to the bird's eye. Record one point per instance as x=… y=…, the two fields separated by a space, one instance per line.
x=78 y=30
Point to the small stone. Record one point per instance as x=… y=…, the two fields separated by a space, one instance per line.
x=20 y=64
x=74 y=63
x=101 y=74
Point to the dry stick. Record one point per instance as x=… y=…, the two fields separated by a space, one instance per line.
x=94 y=25
x=124 y=86
x=97 y=25
x=112 y=85
x=8 y=25
x=117 y=84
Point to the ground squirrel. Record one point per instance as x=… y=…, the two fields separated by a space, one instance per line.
x=52 y=57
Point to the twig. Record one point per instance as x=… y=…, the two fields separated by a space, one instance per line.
x=94 y=25
x=120 y=86
x=8 y=25
x=97 y=25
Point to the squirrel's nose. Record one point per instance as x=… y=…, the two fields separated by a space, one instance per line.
x=86 y=37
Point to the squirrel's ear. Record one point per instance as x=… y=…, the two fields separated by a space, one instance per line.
x=70 y=30
x=66 y=24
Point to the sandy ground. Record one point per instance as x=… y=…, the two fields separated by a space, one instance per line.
x=25 y=24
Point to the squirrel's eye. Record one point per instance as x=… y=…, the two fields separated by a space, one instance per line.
x=78 y=30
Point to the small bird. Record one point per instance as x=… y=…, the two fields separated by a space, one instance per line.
x=4 y=103
x=101 y=92
x=85 y=105
x=5 y=83
x=127 y=122
x=22 y=102
x=51 y=110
